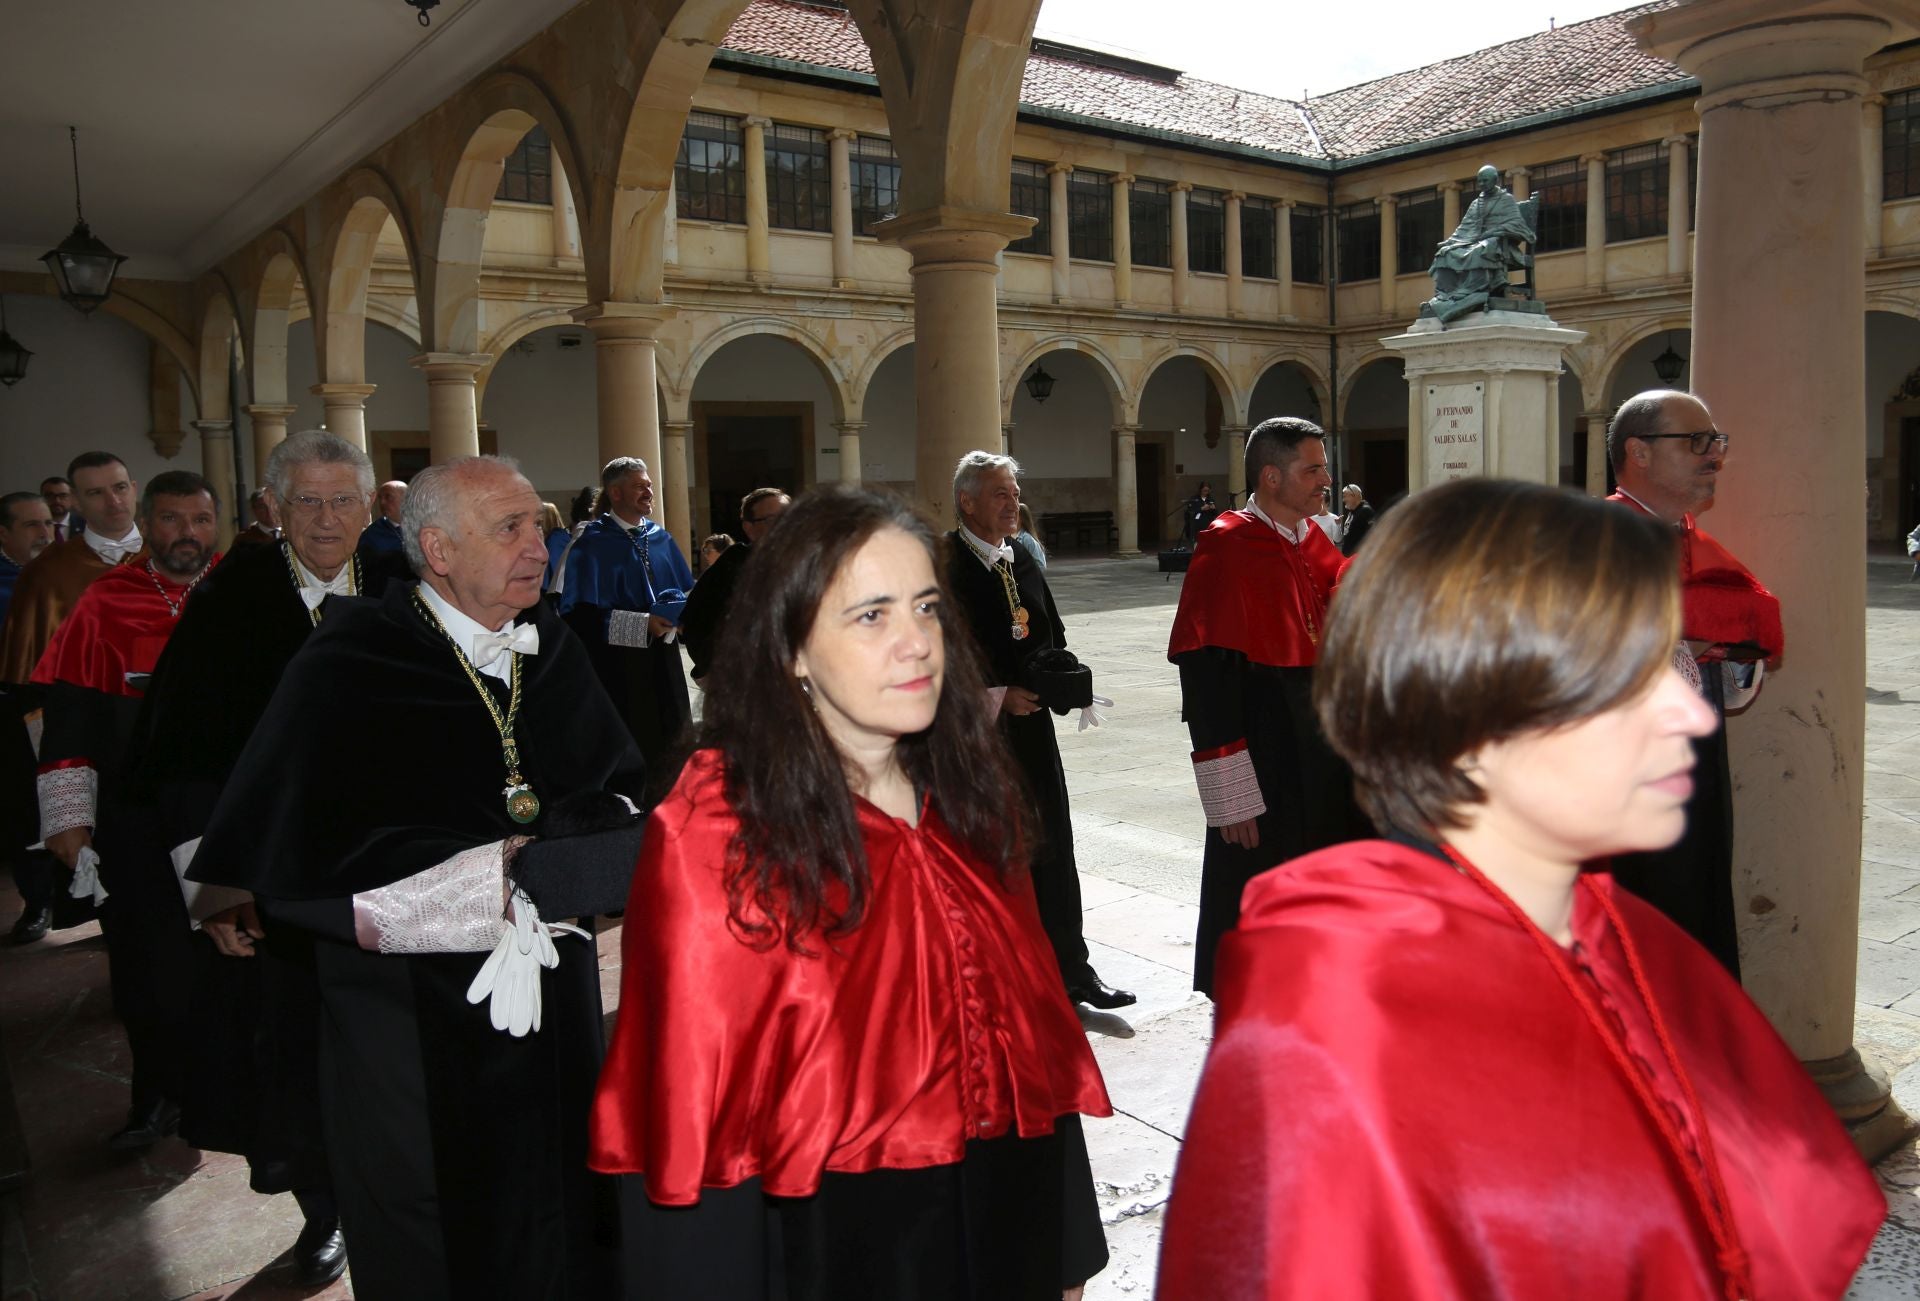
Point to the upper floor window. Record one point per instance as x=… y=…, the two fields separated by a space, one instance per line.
x=528 y=177
x=1309 y=237
x=1090 y=216
x=710 y=175
x=1259 y=251
x=1636 y=193
x=1359 y=239
x=1151 y=211
x=1031 y=197
x=799 y=184
x=1900 y=145
x=875 y=173
x=1206 y=231
x=1417 y=221
x=1560 y=219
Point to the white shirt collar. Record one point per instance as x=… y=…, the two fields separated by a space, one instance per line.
x=634 y=527
x=113 y=551
x=1293 y=535
x=341 y=583
x=987 y=553
x=461 y=630
x=1648 y=509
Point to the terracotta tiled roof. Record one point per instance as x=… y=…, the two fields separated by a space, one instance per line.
x=1562 y=69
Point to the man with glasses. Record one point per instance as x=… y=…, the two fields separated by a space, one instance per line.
x=1667 y=455
x=705 y=617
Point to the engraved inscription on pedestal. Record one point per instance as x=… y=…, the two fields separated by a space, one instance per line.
x=1456 y=428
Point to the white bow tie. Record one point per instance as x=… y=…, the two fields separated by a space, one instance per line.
x=340 y=586
x=488 y=647
x=114 y=555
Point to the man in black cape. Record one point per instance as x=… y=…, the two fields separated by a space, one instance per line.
x=705 y=618
x=1004 y=596
x=252 y=1075
x=456 y=1133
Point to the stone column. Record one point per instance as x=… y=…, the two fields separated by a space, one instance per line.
x=1783 y=357
x=1126 y=491
x=1283 y=231
x=345 y=410
x=216 y=463
x=269 y=431
x=1596 y=220
x=1181 y=270
x=626 y=383
x=1678 y=222
x=1006 y=439
x=759 y=259
x=840 y=171
x=1236 y=281
x=956 y=338
x=1873 y=111
x=850 y=431
x=677 y=499
x=1059 y=230
x=1389 y=254
x=1236 y=436
x=1597 y=452
x=1517 y=183
x=566 y=221
x=453 y=426
x=1122 y=239
x=1449 y=207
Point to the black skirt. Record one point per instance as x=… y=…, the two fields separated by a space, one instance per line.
x=1014 y=1220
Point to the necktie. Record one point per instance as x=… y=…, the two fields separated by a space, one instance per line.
x=488 y=647
x=59 y=531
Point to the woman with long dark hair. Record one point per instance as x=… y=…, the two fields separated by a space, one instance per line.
x=842 y=1049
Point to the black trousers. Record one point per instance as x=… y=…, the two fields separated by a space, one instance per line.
x=1056 y=873
x=149 y=956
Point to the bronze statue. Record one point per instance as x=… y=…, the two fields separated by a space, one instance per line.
x=1472 y=265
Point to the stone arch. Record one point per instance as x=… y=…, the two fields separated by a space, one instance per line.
x=219 y=323
x=1896 y=304
x=494 y=115
x=863 y=377
x=1315 y=373
x=393 y=314
x=370 y=201
x=281 y=281
x=1354 y=369
x=1233 y=404
x=1012 y=376
x=155 y=325
x=495 y=345
x=816 y=351
x=1616 y=356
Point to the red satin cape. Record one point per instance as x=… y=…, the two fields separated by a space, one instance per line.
x=1250 y=590
x=1404 y=1100
x=119 y=626
x=1722 y=603
x=940 y=1019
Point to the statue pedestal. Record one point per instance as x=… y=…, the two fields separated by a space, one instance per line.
x=1484 y=396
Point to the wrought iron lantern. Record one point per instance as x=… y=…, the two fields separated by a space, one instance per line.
x=1669 y=365
x=13 y=357
x=82 y=266
x=1039 y=383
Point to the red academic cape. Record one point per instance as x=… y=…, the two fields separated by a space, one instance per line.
x=1250 y=590
x=119 y=626
x=1722 y=603
x=1404 y=1100
x=939 y=1020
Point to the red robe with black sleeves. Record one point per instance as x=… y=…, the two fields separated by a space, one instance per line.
x=1412 y=1094
x=1253 y=609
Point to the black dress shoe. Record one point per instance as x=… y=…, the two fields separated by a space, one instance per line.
x=33 y=925
x=320 y=1252
x=147 y=1126
x=1094 y=993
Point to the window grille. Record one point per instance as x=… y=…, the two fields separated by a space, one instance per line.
x=1636 y=193
x=528 y=177
x=1416 y=233
x=710 y=175
x=876 y=181
x=1090 y=216
x=1309 y=236
x=799 y=189
x=1151 y=212
x=1207 y=231
x=1561 y=221
x=1031 y=197
x=1258 y=251
x=1359 y=236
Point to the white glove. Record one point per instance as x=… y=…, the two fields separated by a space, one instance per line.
x=1091 y=717
x=86 y=877
x=510 y=977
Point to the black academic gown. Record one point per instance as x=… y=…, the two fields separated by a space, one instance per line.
x=458 y=1152
x=706 y=614
x=253 y=1025
x=983 y=597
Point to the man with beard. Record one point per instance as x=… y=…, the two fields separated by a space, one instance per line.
x=58 y=494
x=105 y=495
x=625 y=587
x=252 y=1080
x=1004 y=596
x=94 y=671
x=1667 y=455
x=26 y=529
x=705 y=618
x=1246 y=637
x=457 y=1147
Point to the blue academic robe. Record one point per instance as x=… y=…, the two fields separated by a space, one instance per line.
x=381 y=535
x=9 y=575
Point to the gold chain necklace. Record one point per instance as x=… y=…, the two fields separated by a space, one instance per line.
x=1015 y=611
x=353 y=579
x=523 y=806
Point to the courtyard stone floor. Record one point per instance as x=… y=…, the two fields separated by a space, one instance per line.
x=181 y=1223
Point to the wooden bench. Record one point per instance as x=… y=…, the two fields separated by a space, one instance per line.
x=1086 y=528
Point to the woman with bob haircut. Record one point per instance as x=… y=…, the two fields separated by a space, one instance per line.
x=1459 y=1062
x=843 y=1065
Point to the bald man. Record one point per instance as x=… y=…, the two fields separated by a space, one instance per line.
x=383 y=535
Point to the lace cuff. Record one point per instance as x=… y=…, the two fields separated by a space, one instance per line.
x=1229 y=790
x=67 y=799
x=454 y=907
x=627 y=628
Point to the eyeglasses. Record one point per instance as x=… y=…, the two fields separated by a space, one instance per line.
x=342 y=504
x=1696 y=443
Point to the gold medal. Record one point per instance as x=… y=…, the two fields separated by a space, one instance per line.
x=523 y=806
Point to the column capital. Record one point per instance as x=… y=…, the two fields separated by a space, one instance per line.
x=1288 y=204
x=679 y=428
x=1875 y=100
x=360 y=392
x=1522 y=171
x=1181 y=187
x=214 y=428
x=1678 y=138
x=843 y=133
x=1123 y=178
x=612 y=321
x=1386 y=201
x=1054 y=168
x=1125 y=431
x=1236 y=196
x=1766 y=46
x=1236 y=429
x=946 y=234
x=755 y=121
x=1449 y=187
x=444 y=367
x=271 y=410
x=1588 y=160
x=849 y=426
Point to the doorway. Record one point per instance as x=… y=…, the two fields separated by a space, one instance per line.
x=1383 y=467
x=1149 y=461
x=746 y=445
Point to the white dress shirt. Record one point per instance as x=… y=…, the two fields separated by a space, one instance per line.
x=113 y=551
x=462 y=630
x=1294 y=535
x=984 y=551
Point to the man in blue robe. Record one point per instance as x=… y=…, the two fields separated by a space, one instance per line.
x=383 y=535
x=625 y=587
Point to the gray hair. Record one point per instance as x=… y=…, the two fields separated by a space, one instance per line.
x=619 y=468
x=1356 y=490
x=972 y=466
x=313 y=447
x=433 y=501
x=1637 y=417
